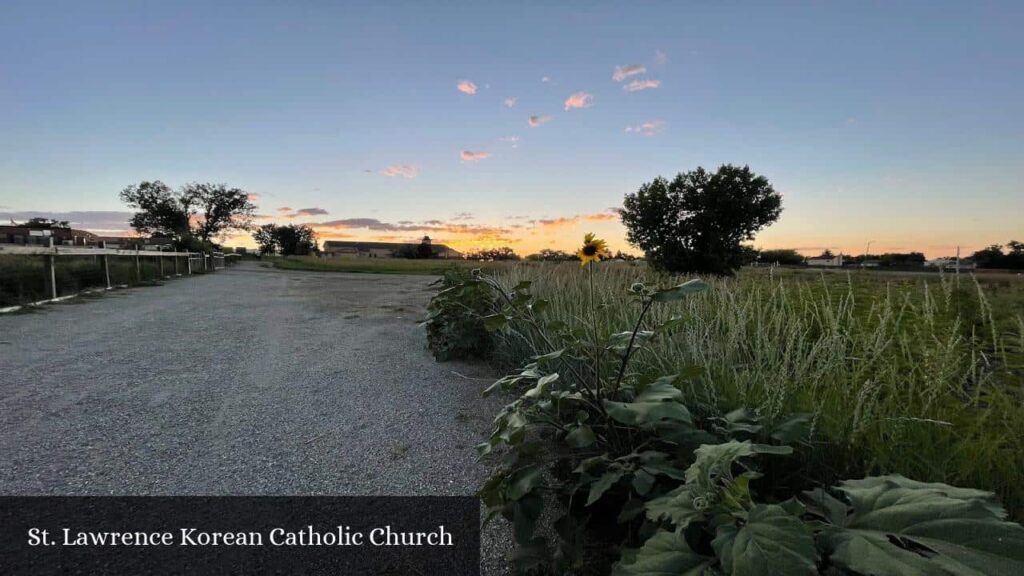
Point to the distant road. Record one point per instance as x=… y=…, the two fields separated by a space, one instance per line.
x=246 y=381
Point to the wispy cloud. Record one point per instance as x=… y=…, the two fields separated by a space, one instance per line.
x=579 y=100
x=649 y=128
x=463 y=216
x=468 y=156
x=253 y=196
x=510 y=102
x=637 y=85
x=466 y=87
x=574 y=220
x=430 y=226
x=545 y=79
x=402 y=170
x=623 y=72
x=660 y=57
x=289 y=213
x=535 y=121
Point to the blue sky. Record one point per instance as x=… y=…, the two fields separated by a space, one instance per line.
x=899 y=123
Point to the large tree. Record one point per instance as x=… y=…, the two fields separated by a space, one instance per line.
x=290 y=240
x=196 y=211
x=697 y=221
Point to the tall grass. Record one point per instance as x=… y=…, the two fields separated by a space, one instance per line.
x=916 y=376
x=22 y=278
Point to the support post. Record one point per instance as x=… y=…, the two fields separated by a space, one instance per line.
x=105 y=261
x=176 y=265
x=161 y=260
x=51 y=273
x=188 y=260
x=205 y=256
x=138 y=266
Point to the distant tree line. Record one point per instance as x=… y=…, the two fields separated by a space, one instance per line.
x=1010 y=257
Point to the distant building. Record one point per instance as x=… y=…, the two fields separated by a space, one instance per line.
x=41 y=236
x=950 y=263
x=836 y=262
x=354 y=249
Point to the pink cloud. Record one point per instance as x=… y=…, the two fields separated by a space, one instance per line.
x=466 y=87
x=402 y=170
x=578 y=100
x=510 y=102
x=623 y=72
x=649 y=128
x=468 y=156
x=637 y=85
x=535 y=121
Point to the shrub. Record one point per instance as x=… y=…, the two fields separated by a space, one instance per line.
x=455 y=329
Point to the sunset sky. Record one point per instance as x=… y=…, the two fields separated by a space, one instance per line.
x=523 y=124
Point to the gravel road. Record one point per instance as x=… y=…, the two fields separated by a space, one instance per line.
x=247 y=381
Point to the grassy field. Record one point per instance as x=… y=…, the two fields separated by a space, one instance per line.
x=371 y=265
x=22 y=277
x=921 y=375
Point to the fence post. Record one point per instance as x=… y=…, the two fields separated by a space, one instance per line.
x=176 y=264
x=204 y=262
x=160 y=259
x=188 y=260
x=138 y=265
x=105 y=260
x=50 y=284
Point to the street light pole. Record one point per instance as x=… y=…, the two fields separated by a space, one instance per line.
x=864 y=260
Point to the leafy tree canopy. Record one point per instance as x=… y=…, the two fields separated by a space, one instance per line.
x=290 y=240
x=194 y=213
x=697 y=221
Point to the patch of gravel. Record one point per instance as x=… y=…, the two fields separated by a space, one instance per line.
x=247 y=381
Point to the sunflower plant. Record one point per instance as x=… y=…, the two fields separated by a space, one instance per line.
x=631 y=478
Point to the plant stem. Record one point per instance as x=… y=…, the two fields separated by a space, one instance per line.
x=629 y=349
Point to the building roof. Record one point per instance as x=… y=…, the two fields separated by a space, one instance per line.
x=358 y=245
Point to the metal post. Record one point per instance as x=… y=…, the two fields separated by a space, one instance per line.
x=176 y=264
x=138 y=265
x=105 y=260
x=160 y=259
x=188 y=260
x=204 y=261
x=51 y=273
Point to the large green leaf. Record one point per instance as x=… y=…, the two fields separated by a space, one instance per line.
x=524 y=482
x=900 y=526
x=676 y=506
x=659 y=401
x=713 y=461
x=580 y=436
x=681 y=291
x=599 y=487
x=664 y=554
x=772 y=542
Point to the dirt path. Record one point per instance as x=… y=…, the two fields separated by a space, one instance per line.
x=248 y=381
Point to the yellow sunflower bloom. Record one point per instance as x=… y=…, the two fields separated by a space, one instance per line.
x=593 y=250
